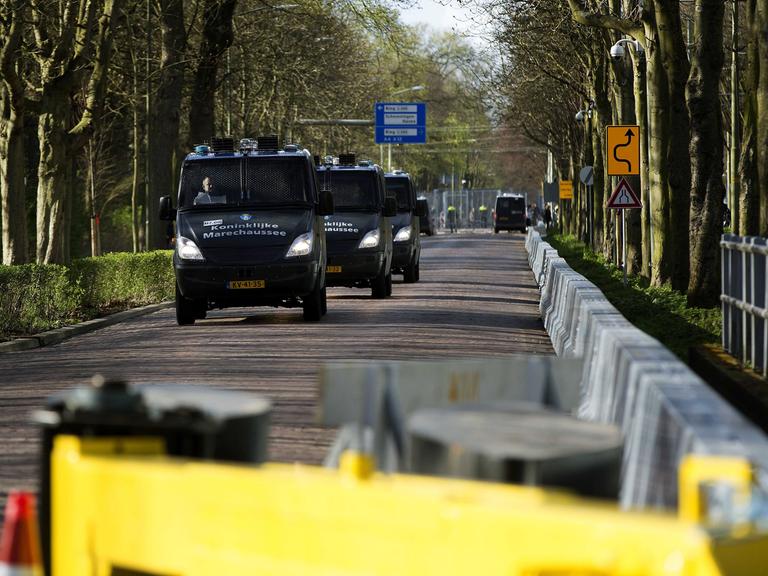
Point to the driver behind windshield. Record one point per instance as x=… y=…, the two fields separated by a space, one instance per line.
x=206 y=195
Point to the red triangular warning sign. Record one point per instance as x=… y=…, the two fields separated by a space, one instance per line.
x=624 y=197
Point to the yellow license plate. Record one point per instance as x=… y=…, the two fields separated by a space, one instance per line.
x=244 y=284
x=334 y=269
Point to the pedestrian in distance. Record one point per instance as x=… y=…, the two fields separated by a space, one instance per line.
x=483 y=215
x=452 y=218
x=548 y=217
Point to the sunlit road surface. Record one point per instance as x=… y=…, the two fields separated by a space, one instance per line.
x=476 y=298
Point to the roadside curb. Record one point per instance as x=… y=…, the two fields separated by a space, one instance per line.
x=60 y=334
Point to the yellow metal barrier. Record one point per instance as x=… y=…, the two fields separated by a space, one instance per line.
x=166 y=516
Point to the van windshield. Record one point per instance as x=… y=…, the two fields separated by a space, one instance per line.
x=244 y=181
x=398 y=187
x=353 y=190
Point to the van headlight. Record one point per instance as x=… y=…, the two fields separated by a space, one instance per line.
x=188 y=250
x=403 y=235
x=370 y=240
x=301 y=246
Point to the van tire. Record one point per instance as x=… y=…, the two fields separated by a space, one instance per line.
x=312 y=304
x=379 y=286
x=186 y=311
x=411 y=273
x=324 y=302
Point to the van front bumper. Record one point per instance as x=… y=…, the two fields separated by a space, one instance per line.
x=279 y=281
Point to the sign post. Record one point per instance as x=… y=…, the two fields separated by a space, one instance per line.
x=623 y=198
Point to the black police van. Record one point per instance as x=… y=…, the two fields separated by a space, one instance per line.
x=405 y=226
x=510 y=213
x=426 y=225
x=249 y=229
x=359 y=232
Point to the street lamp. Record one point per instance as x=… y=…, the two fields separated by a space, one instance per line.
x=389 y=146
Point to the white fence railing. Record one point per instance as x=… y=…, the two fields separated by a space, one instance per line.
x=744 y=299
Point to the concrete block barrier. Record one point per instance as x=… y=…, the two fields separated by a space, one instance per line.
x=674 y=415
x=631 y=380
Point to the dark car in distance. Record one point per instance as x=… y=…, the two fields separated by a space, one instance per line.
x=510 y=213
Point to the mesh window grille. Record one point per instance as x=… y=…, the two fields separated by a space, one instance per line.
x=275 y=180
x=268 y=180
x=353 y=189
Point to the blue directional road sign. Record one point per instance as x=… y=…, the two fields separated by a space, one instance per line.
x=401 y=122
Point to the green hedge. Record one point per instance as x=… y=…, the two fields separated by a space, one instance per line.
x=38 y=297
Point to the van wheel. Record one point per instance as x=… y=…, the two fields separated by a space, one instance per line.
x=410 y=274
x=324 y=302
x=389 y=284
x=313 y=304
x=186 y=311
x=379 y=285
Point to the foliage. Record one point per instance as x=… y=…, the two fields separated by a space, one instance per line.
x=38 y=297
x=657 y=310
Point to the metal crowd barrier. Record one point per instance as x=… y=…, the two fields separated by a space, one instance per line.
x=744 y=298
x=631 y=380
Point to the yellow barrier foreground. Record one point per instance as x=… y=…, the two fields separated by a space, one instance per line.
x=115 y=508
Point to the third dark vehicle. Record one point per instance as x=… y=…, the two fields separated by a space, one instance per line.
x=426 y=225
x=405 y=226
x=360 y=231
x=510 y=213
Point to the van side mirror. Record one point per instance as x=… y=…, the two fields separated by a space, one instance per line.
x=325 y=203
x=166 y=209
x=390 y=206
x=421 y=210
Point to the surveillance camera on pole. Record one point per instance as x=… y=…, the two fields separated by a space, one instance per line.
x=618 y=51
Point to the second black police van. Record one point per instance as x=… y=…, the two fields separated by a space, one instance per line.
x=510 y=213
x=360 y=232
x=249 y=229
x=405 y=226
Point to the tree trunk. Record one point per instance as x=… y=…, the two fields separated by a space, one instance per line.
x=165 y=117
x=217 y=38
x=641 y=115
x=65 y=70
x=55 y=177
x=14 y=217
x=706 y=149
x=749 y=201
x=12 y=136
x=761 y=97
x=677 y=187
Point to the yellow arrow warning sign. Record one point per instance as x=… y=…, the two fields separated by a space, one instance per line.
x=622 y=150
